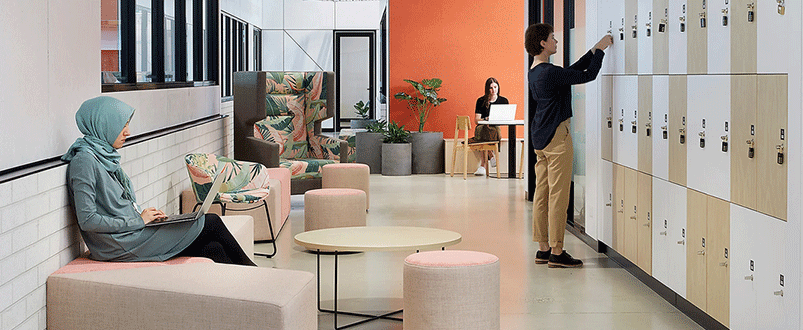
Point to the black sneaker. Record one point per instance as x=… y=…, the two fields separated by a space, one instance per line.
x=542 y=257
x=564 y=260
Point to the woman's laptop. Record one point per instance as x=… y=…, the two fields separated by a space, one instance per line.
x=502 y=112
x=210 y=197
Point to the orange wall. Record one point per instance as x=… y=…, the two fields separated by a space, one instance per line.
x=463 y=43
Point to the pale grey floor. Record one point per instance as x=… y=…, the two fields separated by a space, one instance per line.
x=492 y=216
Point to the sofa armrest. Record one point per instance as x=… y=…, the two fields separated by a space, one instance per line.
x=345 y=151
x=326 y=147
x=261 y=151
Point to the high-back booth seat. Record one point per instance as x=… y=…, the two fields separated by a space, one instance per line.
x=277 y=122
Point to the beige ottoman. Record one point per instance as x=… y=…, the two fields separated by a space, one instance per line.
x=451 y=290
x=333 y=207
x=347 y=175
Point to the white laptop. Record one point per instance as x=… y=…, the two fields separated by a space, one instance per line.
x=502 y=112
x=210 y=197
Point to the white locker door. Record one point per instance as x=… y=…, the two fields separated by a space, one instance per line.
x=708 y=114
x=608 y=21
x=606 y=227
x=770 y=266
x=660 y=230
x=777 y=50
x=618 y=93
x=628 y=152
x=677 y=239
x=719 y=36
x=742 y=264
x=607 y=120
x=619 y=32
x=677 y=27
x=645 y=37
x=660 y=126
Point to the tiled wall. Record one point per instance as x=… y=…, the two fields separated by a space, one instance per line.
x=38 y=230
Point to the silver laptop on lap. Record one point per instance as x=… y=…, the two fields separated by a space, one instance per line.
x=210 y=197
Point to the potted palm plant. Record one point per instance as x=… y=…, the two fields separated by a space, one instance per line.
x=368 y=145
x=427 y=147
x=396 y=151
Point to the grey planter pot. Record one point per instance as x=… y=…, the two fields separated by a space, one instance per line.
x=368 y=147
x=360 y=123
x=428 y=151
x=397 y=159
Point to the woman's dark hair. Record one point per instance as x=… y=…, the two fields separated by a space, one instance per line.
x=488 y=83
x=533 y=37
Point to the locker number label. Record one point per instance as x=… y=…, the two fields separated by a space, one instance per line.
x=752 y=265
x=683 y=233
x=782 y=134
x=752 y=129
x=703 y=241
x=781 y=279
x=726 y=253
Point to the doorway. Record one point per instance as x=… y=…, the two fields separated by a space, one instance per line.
x=355 y=75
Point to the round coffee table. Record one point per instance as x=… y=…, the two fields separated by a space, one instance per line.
x=365 y=239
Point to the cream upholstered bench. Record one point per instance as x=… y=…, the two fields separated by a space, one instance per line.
x=333 y=207
x=348 y=175
x=456 y=290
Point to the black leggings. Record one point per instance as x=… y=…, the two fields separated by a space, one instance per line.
x=216 y=242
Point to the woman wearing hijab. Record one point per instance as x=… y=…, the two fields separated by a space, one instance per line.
x=110 y=220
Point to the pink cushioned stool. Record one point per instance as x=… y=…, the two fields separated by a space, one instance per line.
x=347 y=175
x=451 y=290
x=333 y=207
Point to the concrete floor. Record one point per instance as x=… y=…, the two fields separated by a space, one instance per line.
x=492 y=216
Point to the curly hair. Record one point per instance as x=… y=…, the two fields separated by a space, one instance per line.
x=533 y=37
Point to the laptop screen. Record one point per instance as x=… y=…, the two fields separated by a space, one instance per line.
x=502 y=112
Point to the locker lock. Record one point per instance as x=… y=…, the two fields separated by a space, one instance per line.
x=751 y=12
x=666 y=135
x=751 y=150
x=780 y=153
x=724 y=143
x=703 y=22
x=781 y=7
x=649 y=29
x=702 y=139
x=610 y=123
x=648 y=127
x=682 y=23
x=662 y=26
x=682 y=135
x=725 y=17
x=634 y=28
x=622 y=33
x=621 y=124
x=633 y=123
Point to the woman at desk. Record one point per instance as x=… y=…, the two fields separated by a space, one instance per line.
x=487 y=133
x=109 y=218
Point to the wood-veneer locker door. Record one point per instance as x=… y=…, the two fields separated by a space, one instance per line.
x=772 y=145
x=645 y=130
x=619 y=206
x=696 y=248
x=631 y=36
x=660 y=41
x=717 y=260
x=609 y=213
x=606 y=129
x=743 y=140
x=644 y=223
x=678 y=135
x=631 y=215
x=743 y=36
x=719 y=36
x=697 y=49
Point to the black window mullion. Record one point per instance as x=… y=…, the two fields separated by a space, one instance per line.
x=158 y=37
x=128 y=41
x=245 y=48
x=212 y=14
x=181 y=40
x=197 y=40
x=228 y=47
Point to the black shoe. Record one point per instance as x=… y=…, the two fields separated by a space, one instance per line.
x=542 y=257
x=564 y=260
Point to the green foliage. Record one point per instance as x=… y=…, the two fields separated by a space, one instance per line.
x=396 y=134
x=424 y=99
x=379 y=126
x=363 y=109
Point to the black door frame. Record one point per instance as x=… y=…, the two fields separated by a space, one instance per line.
x=372 y=71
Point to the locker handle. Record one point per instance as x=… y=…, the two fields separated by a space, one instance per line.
x=751 y=142
x=663 y=233
x=663 y=127
x=701 y=253
x=778 y=293
x=608 y=118
x=779 y=148
x=633 y=122
x=748 y=278
x=724 y=138
x=646 y=224
x=607 y=204
x=701 y=134
x=724 y=264
x=620 y=211
x=682 y=130
x=682 y=242
x=648 y=125
x=633 y=217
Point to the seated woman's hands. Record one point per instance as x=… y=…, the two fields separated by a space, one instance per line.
x=151 y=214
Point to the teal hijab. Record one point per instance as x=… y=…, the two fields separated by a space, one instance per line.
x=101 y=120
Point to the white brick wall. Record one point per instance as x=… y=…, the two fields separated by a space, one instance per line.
x=38 y=231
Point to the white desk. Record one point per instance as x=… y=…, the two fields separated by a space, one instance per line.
x=511 y=141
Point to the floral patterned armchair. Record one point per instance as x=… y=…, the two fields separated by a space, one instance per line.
x=277 y=122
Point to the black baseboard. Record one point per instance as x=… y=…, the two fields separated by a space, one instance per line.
x=686 y=307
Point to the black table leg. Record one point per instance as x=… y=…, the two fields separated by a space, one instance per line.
x=511 y=152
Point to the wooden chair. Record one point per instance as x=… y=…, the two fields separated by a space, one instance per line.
x=521 y=158
x=464 y=124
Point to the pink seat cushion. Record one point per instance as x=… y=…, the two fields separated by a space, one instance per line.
x=84 y=265
x=450 y=258
x=347 y=165
x=334 y=192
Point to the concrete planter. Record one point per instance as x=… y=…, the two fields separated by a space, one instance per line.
x=360 y=123
x=368 y=147
x=428 y=151
x=397 y=159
